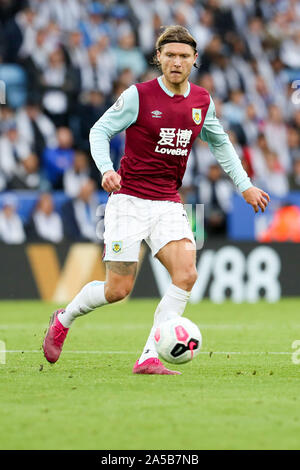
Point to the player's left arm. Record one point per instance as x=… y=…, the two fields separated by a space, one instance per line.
x=218 y=141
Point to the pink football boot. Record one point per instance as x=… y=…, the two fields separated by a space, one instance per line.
x=54 y=338
x=152 y=366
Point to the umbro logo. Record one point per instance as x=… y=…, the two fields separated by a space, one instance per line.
x=156 y=113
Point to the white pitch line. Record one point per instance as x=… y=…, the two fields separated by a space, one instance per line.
x=133 y=326
x=13 y=351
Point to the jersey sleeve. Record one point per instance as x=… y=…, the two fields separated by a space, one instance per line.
x=218 y=141
x=116 y=119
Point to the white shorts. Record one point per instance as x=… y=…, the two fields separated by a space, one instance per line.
x=128 y=220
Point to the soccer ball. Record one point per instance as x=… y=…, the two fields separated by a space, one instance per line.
x=178 y=340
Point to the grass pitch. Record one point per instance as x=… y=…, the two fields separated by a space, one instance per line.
x=242 y=392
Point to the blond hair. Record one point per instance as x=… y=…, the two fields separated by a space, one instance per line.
x=174 y=33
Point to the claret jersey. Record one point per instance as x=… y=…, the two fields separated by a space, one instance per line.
x=160 y=130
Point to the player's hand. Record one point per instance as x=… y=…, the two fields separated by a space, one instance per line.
x=111 y=181
x=257 y=198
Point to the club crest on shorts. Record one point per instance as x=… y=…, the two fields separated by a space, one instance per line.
x=196 y=115
x=116 y=247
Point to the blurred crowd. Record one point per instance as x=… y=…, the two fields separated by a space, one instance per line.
x=64 y=62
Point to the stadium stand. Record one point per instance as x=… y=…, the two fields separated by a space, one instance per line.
x=64 y=62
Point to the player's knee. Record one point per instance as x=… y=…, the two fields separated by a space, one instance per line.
x=191 y=278
x=118 y=292
x=186 y=279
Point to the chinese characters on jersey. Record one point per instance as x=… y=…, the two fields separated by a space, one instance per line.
x=170 y=138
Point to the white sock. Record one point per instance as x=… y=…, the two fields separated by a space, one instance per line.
x=90 y=297
x=171 y=305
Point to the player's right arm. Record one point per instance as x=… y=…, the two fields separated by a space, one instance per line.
x=116 y=119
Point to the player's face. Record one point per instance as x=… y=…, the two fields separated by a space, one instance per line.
x=176 y=60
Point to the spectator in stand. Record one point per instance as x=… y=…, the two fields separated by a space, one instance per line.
x=35 y=127
x=45 y=223
x=150 y=74
x=215 y=193
x=241 y=60
x=3 y=183
x=294 y=178
x=290 y=50
x=19 y=34
x=280 y=83
x=128 y=55
x=95 y=25
x=74 y=178
x=148 y=32
x=257 y=156
x=226 y=77
x=210 y=53
x=37 y=59
x=18 y=164
x=223 y=17
x=296 y=118
x=206 y=81
x=11 y=226
x=91 y=105
x=100 y=70
x=201 y=160
x=9 y=8
x=125 y=79
x=60 y=85
x=7 y=114
x=202 y=30
x=57 y=160
x=254 y=35
x=233 y=136
x=251 y=124
x=276 y=134
x=261 y=97
x=234 y=109
x=66 y=13
x=75 y=50
x=293 y=140
x=273 y=179
x=79 y=214
x=120 y=21
x=186 y=13
x=233 y=112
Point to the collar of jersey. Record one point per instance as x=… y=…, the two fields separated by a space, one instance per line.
x=170 y=93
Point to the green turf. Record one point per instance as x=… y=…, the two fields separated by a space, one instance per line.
x=93 y=401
